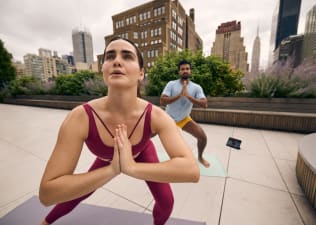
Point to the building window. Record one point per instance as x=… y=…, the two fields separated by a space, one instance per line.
x=180 y=31
x=174 y=14
x=180 y=21
x=174 y=25
x=135 y=35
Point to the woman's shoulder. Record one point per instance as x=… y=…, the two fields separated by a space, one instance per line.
x=79 y=112
x=158 y=114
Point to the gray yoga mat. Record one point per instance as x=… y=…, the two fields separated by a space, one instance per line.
x=31 y=212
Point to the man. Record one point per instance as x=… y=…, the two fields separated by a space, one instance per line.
x=179 y=96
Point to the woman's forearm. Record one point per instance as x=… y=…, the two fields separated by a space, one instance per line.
x=175 y=170
x=68 y=187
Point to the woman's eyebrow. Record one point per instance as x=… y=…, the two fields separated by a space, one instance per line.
x=128 y=52
x=122 y=51
x=110 y=51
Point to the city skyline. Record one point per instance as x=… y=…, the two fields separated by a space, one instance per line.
x=43 y=24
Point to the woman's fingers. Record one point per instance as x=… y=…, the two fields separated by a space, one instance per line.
x=124 y=148
x=116 y=158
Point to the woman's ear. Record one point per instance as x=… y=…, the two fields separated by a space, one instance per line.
x=142 y=74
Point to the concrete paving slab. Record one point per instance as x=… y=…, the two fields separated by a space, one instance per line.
x=247 y=204
x=305 y=209
x=256 y=169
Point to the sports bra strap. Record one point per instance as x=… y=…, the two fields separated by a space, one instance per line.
x=138 y=121
x=108 y=130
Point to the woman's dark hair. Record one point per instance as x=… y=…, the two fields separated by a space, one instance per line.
x=138 y=53
x=183 y=62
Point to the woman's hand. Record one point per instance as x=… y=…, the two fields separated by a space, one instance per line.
x=115 y=163
x=124 y=148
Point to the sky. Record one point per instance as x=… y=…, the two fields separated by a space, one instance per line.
x=27 y=25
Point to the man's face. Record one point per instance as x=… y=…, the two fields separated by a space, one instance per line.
x=185 y=71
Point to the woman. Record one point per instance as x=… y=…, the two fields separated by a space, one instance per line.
x=116 y=128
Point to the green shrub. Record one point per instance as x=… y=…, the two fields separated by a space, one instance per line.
x=25 y=85
x=281 y=87
x=73 y=84
x=215 y=77
x=95 y=87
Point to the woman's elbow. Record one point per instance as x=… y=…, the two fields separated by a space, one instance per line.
x=44 y=197
x=195 y=173
x=44 y=201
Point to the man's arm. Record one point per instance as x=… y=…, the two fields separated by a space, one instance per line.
x=165 y=99
x=202 y=102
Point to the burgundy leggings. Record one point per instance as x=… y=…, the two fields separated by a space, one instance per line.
x=161 y=192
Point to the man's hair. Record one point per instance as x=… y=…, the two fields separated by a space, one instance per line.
x=139 y=54
x=182 y=62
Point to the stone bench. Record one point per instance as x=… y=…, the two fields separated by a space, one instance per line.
x=306 y=167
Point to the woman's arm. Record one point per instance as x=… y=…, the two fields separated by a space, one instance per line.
x=59 y=183
x=182 y=166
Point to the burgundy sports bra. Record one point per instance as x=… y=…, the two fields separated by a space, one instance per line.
x=95 y=143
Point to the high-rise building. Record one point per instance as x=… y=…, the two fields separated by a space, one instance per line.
x=229 y=45
x=34 y=66
x=44 y=52
x=255 y=57
x=290 y=50
x=284 y=24
x=82 y=46
x=157 y=27
x=309 y=42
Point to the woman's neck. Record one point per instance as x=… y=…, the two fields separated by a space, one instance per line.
x=121 y=101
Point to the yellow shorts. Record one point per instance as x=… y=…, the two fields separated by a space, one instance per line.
x=183 y=122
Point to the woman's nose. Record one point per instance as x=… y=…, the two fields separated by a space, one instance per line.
x=117 y=61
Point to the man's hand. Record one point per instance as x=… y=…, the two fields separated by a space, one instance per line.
x=184 y=91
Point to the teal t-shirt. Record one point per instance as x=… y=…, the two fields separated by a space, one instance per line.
x=181 y=108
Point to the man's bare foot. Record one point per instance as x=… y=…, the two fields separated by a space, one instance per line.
x=44 y=223
x=204 y=162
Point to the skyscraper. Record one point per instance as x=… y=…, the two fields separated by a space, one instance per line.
x=309 y=43
x=229 y=45
x=82 y=46
x=284 y=24
x=255 y=58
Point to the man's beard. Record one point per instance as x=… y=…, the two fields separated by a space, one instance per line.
x=184 y=77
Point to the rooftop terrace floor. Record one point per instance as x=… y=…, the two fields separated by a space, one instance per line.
x=255 y=185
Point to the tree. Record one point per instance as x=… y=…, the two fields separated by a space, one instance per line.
x=215 y=77
x=7 y=70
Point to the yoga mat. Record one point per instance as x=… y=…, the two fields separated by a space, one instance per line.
x=215 y=170
x=31 y=212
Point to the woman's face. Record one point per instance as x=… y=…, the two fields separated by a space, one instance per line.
x=121 y=65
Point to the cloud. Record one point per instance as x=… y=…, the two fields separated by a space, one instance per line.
x=27 y=25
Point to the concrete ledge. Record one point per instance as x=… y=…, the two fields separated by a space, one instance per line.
x=284 y=121
x=271 y=120
x=306 y=167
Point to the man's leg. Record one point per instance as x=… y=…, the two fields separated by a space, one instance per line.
x=196 y=131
